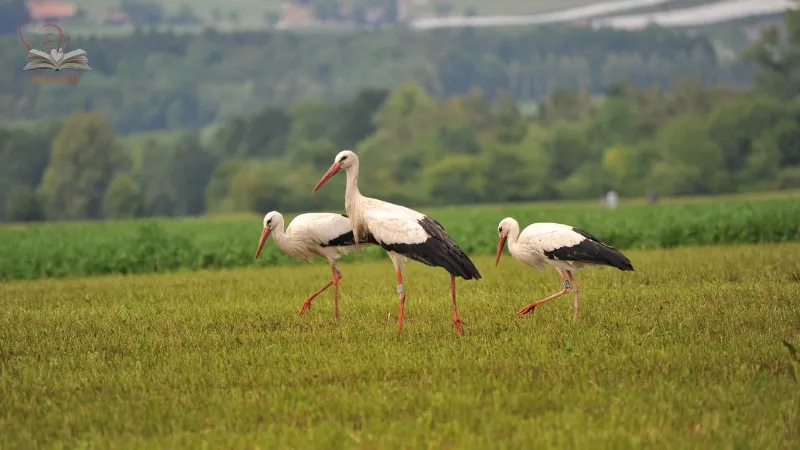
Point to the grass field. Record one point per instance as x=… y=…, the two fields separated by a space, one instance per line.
x=685 y=352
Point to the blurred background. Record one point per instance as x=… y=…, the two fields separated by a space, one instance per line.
x=200 y=107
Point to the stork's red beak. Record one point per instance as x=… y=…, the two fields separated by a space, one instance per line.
x=334 y=169
x=500 y=244
x=264 y=236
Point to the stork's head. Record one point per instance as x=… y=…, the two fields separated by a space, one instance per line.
x=344 y=159
x=502 y=231
x=271 y=220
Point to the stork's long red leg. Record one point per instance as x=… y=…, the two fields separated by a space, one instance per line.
x=307 y=303
x=336 y=277
x=456 y=319
x=533 y=305
x=575 y=290
x=402 y=291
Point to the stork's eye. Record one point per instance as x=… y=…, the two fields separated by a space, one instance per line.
x=343 y=158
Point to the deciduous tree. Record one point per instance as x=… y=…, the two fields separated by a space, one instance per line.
x=85 y=158
x=123 y=198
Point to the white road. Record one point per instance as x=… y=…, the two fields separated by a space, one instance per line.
x=700 y=15
x=565 y=15
x=720 y=11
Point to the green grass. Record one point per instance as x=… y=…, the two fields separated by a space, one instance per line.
x=686 y=352
x=69 y=249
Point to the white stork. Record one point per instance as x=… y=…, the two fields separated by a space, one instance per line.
x=324 y=234
x=405 y=234
x=566 y=248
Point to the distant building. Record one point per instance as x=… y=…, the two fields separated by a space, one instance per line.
x=581 y=23
x=375 y=14
x=115 y=18
x=51 y=11
x=753 y=32
x=295 y=15
x=403 y=10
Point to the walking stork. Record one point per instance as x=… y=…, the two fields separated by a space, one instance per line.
x=405 y=234
x=323 y=234
x=563 y=247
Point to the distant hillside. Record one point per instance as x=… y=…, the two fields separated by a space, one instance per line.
x=122 y=16
x=152 y=81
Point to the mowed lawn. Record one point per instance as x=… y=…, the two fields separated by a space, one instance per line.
x=685 y=352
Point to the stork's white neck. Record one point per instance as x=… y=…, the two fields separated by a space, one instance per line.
x=351 y=193
x=513 y=235
x=288 y=243
x=278 y=235
x=354 y=203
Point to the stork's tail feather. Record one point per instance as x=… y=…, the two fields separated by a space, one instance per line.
x=615 y=258
x=458 y=263
x=594 y=251
x=447 y=253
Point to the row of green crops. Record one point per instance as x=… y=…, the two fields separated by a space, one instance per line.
x=55 y=250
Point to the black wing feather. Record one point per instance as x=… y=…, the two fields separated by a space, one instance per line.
x=591 y=250
x=439 y=250
x=348 y=239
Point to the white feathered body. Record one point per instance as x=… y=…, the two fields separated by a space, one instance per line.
x=538 y=238
x=405 y=234
x=561 y=246
x=321 y=234
x=386 y=222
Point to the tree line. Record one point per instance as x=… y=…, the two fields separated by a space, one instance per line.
x=161 y=80
x=414 y=149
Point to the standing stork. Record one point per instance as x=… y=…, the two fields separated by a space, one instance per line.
x=566 y=248
x=323 y=234
x=405 y=234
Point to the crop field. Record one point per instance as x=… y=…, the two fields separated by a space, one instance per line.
x=686 y=352
x=74 y=249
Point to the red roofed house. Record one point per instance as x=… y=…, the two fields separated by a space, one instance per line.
x=296 y=16
x=51 y=11
x=115 y=17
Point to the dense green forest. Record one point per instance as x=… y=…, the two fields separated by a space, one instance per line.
x=415 y=150
x=419 y=144
x=151 y=81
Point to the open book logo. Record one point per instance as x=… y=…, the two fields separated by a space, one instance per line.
x=74 y=60
x=56 y=59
